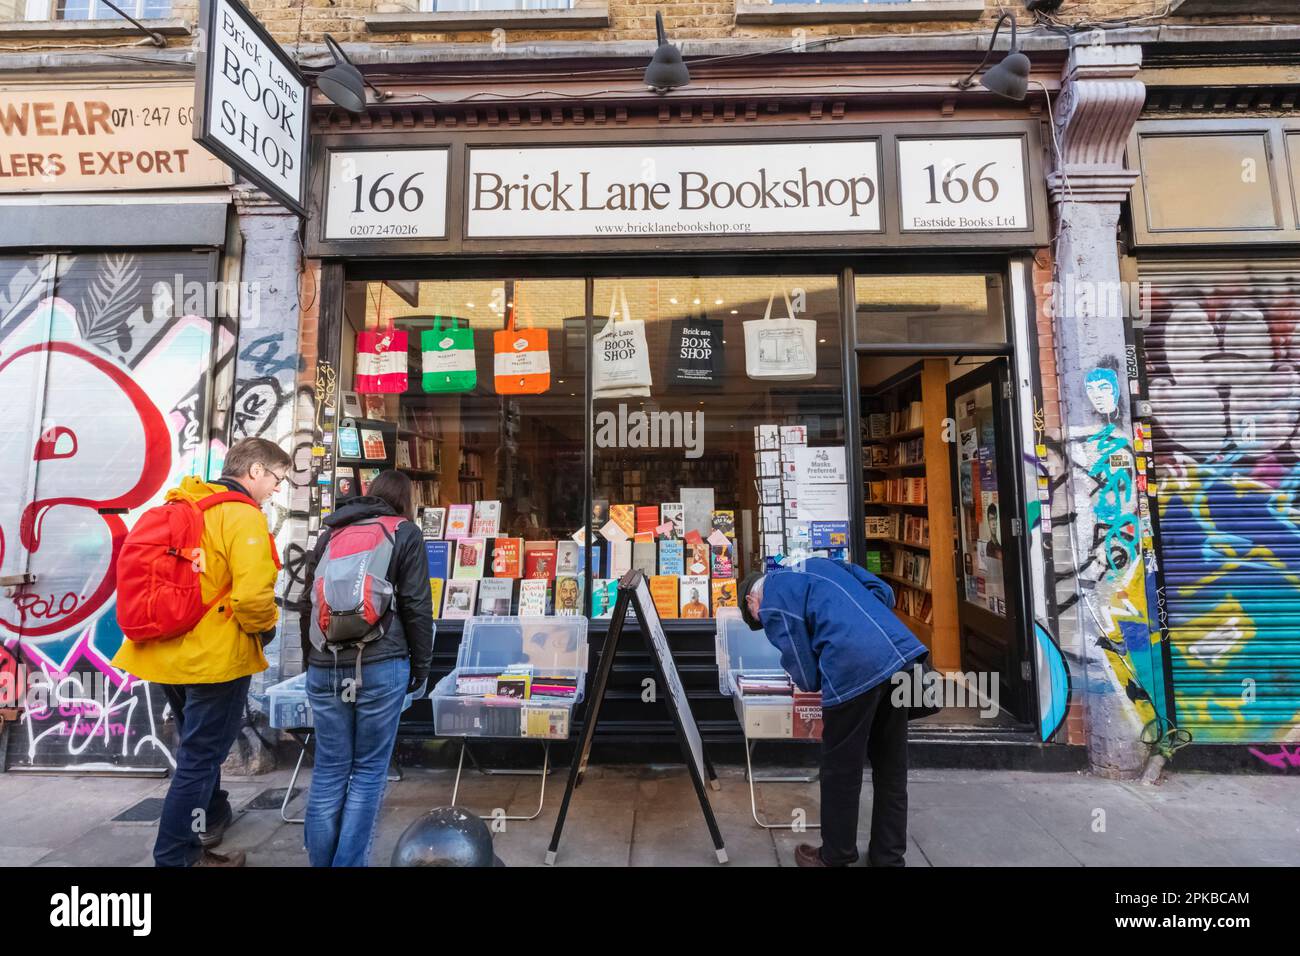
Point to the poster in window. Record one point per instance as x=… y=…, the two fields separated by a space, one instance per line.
x=695 y=360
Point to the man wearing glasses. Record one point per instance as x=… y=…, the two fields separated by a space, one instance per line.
x=205 y=673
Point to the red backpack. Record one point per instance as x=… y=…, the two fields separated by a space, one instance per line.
x=158 y=592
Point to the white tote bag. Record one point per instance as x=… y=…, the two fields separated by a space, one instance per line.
x=781 y=350
x=620 y=355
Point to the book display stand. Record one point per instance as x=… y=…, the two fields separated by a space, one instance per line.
x=750 y=671
x=515 y=678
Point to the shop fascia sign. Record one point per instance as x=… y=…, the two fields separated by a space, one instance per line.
x=944 y=184
x=252 y=103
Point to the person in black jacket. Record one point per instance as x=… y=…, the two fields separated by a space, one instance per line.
x=355 y=722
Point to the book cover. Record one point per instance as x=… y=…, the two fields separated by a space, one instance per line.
x=672 y=556
x=432 y=522
x=625 y=517
x=599 y=513
x=697 y=558
x=435 y=592
x=458 y=521
x=345 y=482
x=829 y=534
x=647 y=518
x=794 y=434
x=663 y=591
x=471 y=554
x=495 y=596
x=723 y=566
x=568 y=595
x=724 y=520
x=438 y=554
x=767 y=437
x=373 y=406
x=604 y=592
x=487 y=519
x=349 y=442
x=507 y=557
x=724 y=593
x=697 y=509
x=568 y=558
x=539 y=559
x=620 y=558
x=549 y=723
x=807 y=715
x=365 y=476
x=643 y=557
x=533 y=597
x=694 y=596
x=673 y=511
x=458 y=600
x=372 y=444
x=351 y=405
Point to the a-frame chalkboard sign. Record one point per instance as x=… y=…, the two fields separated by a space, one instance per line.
x=633 y=592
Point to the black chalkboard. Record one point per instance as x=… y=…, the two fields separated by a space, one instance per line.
x=633 y=592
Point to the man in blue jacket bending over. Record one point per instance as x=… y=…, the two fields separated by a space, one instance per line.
x=833 y=625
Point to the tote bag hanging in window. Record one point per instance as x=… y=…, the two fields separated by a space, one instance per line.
x=447 y=355
x=781 y=350
x=381 y=361
x=522 y=358
x=619 y=354
x=695 y=360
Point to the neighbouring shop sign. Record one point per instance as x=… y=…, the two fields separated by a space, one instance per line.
x=377 y=193
x=647 y=190
x=962 y=185
x=252 y=103
x=102 y=139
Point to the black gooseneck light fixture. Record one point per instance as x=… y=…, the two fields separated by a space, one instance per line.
x=343 y=84
x=1010 y=78
x=666 y=70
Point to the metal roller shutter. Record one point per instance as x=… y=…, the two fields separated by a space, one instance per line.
x=1222 y=358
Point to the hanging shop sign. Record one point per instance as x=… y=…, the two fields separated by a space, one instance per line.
x=962 y=185
x=710 y=189
x=92 y=139
x=252 y=103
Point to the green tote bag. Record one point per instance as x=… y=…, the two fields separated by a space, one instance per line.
x=448 y=358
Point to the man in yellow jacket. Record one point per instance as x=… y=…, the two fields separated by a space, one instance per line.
x=205 y=673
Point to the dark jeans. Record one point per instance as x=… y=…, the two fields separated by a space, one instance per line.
x=207 y=721
x=867 y=727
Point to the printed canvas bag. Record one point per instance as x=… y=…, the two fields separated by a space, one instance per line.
x=781 y=350
x=522 y=358
x=381 y=361
x=448 y=358
x=620 y=356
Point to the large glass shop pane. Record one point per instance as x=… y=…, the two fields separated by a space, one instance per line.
x=474 y=389
x=929 y=309
x=719 y=433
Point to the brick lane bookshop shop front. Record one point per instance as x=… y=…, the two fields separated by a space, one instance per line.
x=695 y=358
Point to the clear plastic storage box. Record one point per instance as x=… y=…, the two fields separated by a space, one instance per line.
x=742 y=652
x=499 y=687
x=288 y=704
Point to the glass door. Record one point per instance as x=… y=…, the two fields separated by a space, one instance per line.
x=988 y=534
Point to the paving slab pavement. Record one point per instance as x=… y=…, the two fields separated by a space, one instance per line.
x=650 y=816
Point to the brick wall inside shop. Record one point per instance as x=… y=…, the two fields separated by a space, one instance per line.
x=292 y=21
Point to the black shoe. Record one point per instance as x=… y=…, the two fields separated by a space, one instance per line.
x=214 y=834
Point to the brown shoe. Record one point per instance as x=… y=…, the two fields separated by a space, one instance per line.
x=233 y=858
x=807 y=855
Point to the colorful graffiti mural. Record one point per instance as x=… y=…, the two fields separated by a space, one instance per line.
x=1223 y=364
x=107 y=396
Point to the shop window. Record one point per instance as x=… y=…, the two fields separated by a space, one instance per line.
x=459 y=6
x=81 y=9
x=497 y=460
x=930 y=309
x=697 y=455
x=1216 y=181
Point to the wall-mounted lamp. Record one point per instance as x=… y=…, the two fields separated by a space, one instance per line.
x=343 y=84
x=1010 y=78
x=666 y=70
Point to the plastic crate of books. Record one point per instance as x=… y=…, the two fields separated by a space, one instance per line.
x=742 y=651
x=514 y=677
x=289 y=707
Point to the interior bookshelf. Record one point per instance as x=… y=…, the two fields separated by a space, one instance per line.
x=908 y=504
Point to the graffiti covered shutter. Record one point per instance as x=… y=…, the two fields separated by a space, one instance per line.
x=1223 y=369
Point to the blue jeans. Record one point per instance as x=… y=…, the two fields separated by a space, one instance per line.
x=354 y=741
x=207 y=721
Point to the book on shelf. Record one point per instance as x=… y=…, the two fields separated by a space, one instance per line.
x=673 y=511
x=647 y=518
x=697 y=557
x=624 y=515
x=620 y=558
x=672 y=556
x=438 y=556
x=487 y=518
x=604 y=592
x=374 y=406
x=432 y=521
x=471 y=554
x=882 y=526
x=722 y=564
x=807 y=715
x=724 y=520
x=568 y=595
x=507 y=557
x=435 y=592
x=877 y=455
x=365 y=476
x=349 y=439
x=694 y=596
x=644 y=558
x=539 y=559
x=878 y=425
x=372 y=444
x=495 y=596
x=663 y=591
x=568 y=558
x=458 y=599
x=459 y=518
x=724 y=593
x=534 y=597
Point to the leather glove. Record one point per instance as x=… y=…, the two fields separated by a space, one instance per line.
x=416 y=684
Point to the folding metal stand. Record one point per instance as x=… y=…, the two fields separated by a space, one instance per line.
x=288 y=792
x=503 y=772
x=774 y=778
